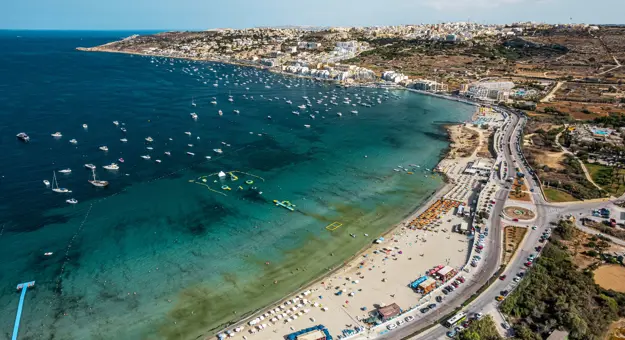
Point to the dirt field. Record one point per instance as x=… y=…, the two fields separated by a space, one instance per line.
x=464 y=141
x=512 y=237
x=611 y=276
x=550 y=159
x=576 y=109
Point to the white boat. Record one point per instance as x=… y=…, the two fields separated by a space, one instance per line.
x=55 y=186
x=220 y=113
x=123 y=129
x=193 y=115
x=190 y=145
x=307 y=126
x=85 y=126
x=355 y=111
x=96 y=182
x=116 y=123
x=190 y=153
x=66 y=171
x=149 y=139
x=104 y=148
x=302 y=106
x=57 y=135
x=71 y=201
x=46 y=182
x=73 y=141
x=48 y=253
x=208 y=157
x=218 y=151
x=23 y=137
x=158 y=161
x=230 y=99
x=111 y=166
x=192 y=102
x=149 y=148
x=146 y=157
x=236 y=111
x=214 y=102
x=168 y=153
x=90 y=166
x=339 y=114
x=123 y=140
x=187 y=133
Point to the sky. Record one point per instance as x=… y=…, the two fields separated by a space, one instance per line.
x=205 y=14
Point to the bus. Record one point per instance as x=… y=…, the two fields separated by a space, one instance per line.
x=454 y=320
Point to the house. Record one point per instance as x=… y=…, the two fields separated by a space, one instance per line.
x=389 y=312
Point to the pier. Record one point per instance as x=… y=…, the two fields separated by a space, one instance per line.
x=23 y=287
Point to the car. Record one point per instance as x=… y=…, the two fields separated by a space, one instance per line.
x=461 y=279
x=505 y=325
x=534 y=227
x=499 y=298
x=541 y=240
x=445 y=291
x=528 y=264
x=452 y=333
x=520 y=274
x=517 y=279
x=432 y=306
x=454 y=284
x=515 y=219
x=538 y=248
x=478 y=316
x=480 y=247
x=504 y=292
x=439 y=299
x=391 y=326
x=409 y=318
x=503 y=277
x=424 y=310
x=400 y=322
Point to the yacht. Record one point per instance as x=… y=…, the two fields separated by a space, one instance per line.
x=193 y=115
x=236 y=111
x=339 y=114
x=214 y=102
x=123 y=129
x=187 y=133
x=149 y=139
x=85 y=126
x=168 y=153
x=71 y=201
x=145 y=156
x=218 y=151
x=149 y=148
x=96 y=182
x=123 y=140
x=73 y=141
x=104 y=148
x=46 y=182
x=307 y=126
x=190 y=153
x=66 y=171
x=57 y=135
x=116 y=123
x=23 y=137
x=302 y=106
x=111 y=166
x=158 y=161
x=90 y=166
x=55 y=186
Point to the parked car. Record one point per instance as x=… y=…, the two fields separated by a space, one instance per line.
x=432 y=306
x=499 y=298
x=528 y=264
x=461 y=279
x=439 y=299
x=424 y=310
x=400 y=322
x=478 y=316
x=452 y=333
x=502 y=277
x=538 y=248
x=515 y=219
x=409 y=318
x=516 y=279
x=504 y=292
x=391 y=326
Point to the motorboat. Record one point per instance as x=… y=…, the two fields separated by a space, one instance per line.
x=190 y=145
x=302 y=106
x=168 y=153
x=23 y=137
x=355 y=111
x=149 y=148
x=220 y=113
x=193 y=115
x=71 y=201
x=66 y=171
x=149 y=139
x=111 y=166
x=208 y=157
x=187 y=133
x=307 y=126
x=121 y=160
x=218 y=151
x=192 y=102
x=190 y=153
x=73 y=141
x=96 y=182
x=214 y=102
x=236 y=111
x=123 y=140
x=90 y=166
x=104 y=148
x=55 y=186
x=268 y=117
x=116 y=123
x=57 y=135
x=339 y=114
x=146 y=157
x=158 y=161
x=46 y=182
x=123 y=130
x=85 y=126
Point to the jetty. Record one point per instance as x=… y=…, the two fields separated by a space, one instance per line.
x=23 y=287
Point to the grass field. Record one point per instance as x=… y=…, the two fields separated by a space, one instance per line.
x=609 y=178
x=555 y=195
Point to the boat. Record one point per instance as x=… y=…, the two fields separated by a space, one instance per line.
x=23 y=137
x=220 y=113
x=339 y=114
x=55 y=186
x=149 y=148
x=149 y=139
x=193 y=115
x=121 y=160
x=302 y=106
x=123 y=129
x=168 y=153
x=146 y=157
x=192 y=102
x=355 y=111
x=187 y=133
x=85 y=126
x=46 y=182
x=285 y=204
x=208 y=157
x=111 y=166
x=57 y=135
x=190 y=153
x=158 y=161
x=96 y=182
x=116 y=123
x=90 y=166
x=123 y=140
x=307 y=126
x=66 y=171
x=73 y=141
x=71 y=201
x=218 y=150
x=214 y=102
x=190 y=145
x=268 y=117
x=104 y=148
x=236 y=111
x=49 y=253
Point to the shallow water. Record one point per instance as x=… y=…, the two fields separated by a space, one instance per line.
x=155 y=255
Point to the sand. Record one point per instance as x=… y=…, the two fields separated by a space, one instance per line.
x=611 y=276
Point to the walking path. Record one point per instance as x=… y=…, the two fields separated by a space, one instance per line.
x=566 y=151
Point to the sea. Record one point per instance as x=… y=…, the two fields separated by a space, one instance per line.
x=170 y=249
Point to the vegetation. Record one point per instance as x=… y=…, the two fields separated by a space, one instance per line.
x=483 y=329
x=555 y=195
x=555 y=295
x=614 y=120
x=610 y=178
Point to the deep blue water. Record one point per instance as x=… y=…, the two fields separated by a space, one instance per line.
x=131 y=259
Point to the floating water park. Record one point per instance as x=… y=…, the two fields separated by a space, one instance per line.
x=285 y=204
x=219 y=181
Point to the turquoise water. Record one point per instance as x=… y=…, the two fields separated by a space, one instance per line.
x=155 y=255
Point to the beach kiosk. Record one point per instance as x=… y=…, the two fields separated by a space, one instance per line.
x=446 y=273
x=427 y=285
x=388 y=312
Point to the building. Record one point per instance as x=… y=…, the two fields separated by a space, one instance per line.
x=389 y=312
x=429 y=85
x=480 y=166
x=427 y=285
x=394 y=77
x=488 y=91
x=446 y=273
x=463 y=227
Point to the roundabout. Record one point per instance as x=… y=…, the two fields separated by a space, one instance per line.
x=522 y=214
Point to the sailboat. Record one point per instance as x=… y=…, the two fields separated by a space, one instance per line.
x=55 y=185
x=192 y=102
x=96 y=182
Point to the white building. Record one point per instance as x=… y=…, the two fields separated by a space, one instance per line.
x=394 y=77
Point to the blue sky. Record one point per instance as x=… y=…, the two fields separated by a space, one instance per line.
x=203 y=14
